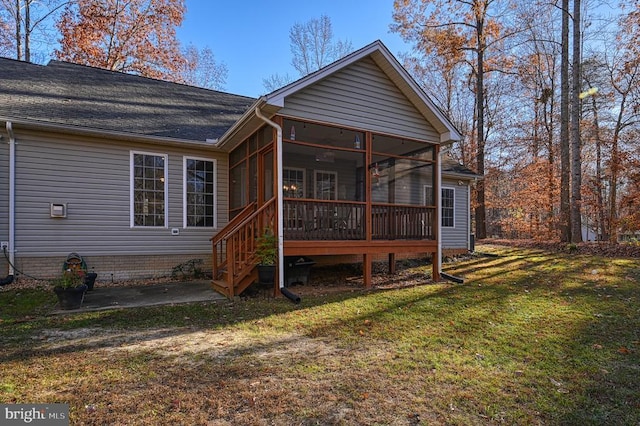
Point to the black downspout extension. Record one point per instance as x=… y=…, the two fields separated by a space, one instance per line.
x=452 y=278
x=291 y=296
x=7 y=280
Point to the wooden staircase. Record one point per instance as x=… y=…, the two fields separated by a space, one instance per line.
x=234 y=247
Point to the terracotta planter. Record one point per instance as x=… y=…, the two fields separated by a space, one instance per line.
x=70 y=298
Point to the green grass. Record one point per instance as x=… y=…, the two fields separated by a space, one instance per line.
x=531 y=337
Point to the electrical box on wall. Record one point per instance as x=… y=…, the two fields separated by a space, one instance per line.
x=58 y=209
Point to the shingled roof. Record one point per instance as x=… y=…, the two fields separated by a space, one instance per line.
x=452 y=167
x=86 y=97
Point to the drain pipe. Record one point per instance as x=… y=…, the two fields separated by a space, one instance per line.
x=12 y=196
x=279 y=192
x=438 y=198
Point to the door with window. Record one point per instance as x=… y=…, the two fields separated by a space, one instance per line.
x=293 y=186
x=325 y=188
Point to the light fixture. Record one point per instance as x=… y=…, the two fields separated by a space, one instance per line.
x=326 y=156
x=356 y=141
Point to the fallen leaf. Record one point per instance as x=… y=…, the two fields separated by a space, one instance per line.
x=624 y=350
x=596 y=346
x=555 y=382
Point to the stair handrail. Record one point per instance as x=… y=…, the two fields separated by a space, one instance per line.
x=244 y=219
x=231 y=226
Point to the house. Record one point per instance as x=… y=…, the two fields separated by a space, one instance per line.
x=139 y=175
x=457 y=182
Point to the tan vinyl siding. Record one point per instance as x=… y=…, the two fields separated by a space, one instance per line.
x=363 y=97
x=93 y=178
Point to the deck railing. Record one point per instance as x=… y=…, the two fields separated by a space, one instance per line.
x=341 y=220
x=401 y=222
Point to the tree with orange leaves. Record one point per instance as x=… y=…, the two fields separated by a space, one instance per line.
x=464 y=32
x=133 y=36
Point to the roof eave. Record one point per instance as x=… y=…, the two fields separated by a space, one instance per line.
x=246 y=125
x=106 y=134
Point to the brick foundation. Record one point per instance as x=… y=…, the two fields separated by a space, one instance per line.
x=111 y=268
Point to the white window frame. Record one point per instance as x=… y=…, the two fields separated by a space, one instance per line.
x=315 y=183
x=184 y=191
x=442 y=188
x=304 y=178
x=453 y=207
x=132 y=189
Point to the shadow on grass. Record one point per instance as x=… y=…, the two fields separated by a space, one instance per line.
x=564 y=338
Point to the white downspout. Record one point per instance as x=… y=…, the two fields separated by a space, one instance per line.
x=438 y=195
x=469 y=218
x=279 y=194
x=12 y=195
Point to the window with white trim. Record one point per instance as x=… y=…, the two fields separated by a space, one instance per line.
x=447 y=217
x=293 y=182
x=448 y=197
x=148 y=189
x=326 y=185
x=199 y=192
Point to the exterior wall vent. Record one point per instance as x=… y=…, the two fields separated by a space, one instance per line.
x=58 y=209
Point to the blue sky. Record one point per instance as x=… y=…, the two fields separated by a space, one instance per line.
x=252 y=36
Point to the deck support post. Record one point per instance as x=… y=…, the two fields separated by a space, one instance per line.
x=435 y=265
x=392 y=263
x=366 y=269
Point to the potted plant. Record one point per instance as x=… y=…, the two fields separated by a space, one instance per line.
x=267 y=256
x=70 y=289
x=90 y=280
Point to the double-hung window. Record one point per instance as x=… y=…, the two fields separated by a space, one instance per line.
x=447 y=199
x=199 y=192
x=148 y=189
x=447 y=207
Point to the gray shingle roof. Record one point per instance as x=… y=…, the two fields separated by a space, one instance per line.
x=451 y=166
x=77 y=95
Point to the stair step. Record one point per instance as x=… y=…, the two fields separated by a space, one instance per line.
x=221 y=287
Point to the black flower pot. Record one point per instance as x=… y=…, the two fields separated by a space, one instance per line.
x=71 y=297
x=90 y=280
x=266 y=274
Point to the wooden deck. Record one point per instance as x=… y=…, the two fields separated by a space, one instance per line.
x=320 y=228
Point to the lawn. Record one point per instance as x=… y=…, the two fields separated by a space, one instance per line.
x=531 y=337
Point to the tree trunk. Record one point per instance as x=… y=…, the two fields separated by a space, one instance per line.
x=603 y=233
x=565 y=218
x=613 y=183
x=481 y=223
x=27 y=30
x=576 y=159
x=18 y=31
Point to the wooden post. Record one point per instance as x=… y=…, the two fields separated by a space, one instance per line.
x=435 y=268
x=392 y=263
x=366 y=269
